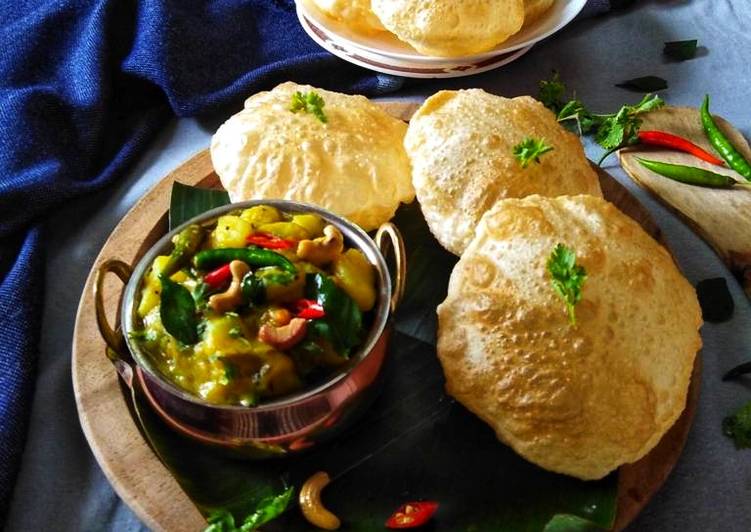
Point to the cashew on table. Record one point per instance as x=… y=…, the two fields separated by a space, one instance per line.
x=233 y=297
x=312 y=507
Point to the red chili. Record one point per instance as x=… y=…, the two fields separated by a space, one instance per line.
x=668 y=140
x=309 y=309
x=217 y=278
x=264 y=240
x=412 y=515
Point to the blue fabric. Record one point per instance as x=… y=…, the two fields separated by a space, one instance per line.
x=84 y=86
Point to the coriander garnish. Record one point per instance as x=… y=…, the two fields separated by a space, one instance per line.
x=310 y=102
x=552 y=92
x=530 y=150
x=567 y=277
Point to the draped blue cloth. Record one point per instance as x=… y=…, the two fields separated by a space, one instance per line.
x=84 y=87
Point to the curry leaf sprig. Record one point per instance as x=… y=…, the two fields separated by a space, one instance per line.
x=310 y=102
x=567 y=277
x=267 y=510
x=531 y=149
x=612 y=131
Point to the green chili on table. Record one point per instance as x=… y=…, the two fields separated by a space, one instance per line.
x=722 y=144
x=252 y=256
x=688 y=174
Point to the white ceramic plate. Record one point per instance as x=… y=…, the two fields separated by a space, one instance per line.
x=385 y=44
x=404 y=68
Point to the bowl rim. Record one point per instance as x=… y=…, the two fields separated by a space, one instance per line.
x=354 y=236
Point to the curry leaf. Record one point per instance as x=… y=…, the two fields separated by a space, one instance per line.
x=570 y=523
x=178 y=311
x=681 y=50
x=644 y=84
x=343 y=322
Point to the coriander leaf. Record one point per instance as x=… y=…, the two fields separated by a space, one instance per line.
x=681 y=50
x=644 y=84
x=567 y=277
x=622 y=128
x=575 y=110
x=310 y=102
x=531 y=150
x=738 y=427
x=268 y=509
x=551 y=92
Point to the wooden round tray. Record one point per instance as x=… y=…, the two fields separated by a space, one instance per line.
x=138 y=476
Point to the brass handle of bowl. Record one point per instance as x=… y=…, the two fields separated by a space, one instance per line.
x=114 y=340
x=396 y=242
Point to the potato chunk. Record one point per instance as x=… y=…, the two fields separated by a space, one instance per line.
x=230 y=232
x=356 y=276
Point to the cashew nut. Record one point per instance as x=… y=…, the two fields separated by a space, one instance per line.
x=311 y=505
x=233 y=297
x=286 y=336
x=323 y=250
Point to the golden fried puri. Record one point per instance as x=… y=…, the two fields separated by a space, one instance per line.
x=534 y=9
x=576 y=399
x=451 y=28
x=355 y=14
x=354 y=164
x=461 y=146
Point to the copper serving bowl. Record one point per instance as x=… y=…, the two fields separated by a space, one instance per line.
x=285 y=425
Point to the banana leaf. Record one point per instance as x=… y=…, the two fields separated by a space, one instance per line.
x=414 y=443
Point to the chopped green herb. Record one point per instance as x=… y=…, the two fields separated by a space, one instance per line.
x=201 y=294
x=230 y=371
x=310 y=102
x=622 y=128
x=145 y=335
x=567 y=277
x=681 y=50
x=552 y=92
x=738 y=427
x=530 y=150
x=267 y=510
x=575 y=110
x=235 y=332
x=644 y=84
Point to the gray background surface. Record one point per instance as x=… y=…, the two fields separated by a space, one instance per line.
x=60 y=486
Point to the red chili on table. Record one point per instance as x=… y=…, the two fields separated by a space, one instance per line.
x=217 y=278
x=263 y=240
x=412 y=515
x=309 y=309
x=668 y=140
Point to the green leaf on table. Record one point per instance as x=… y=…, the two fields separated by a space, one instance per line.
x=575 y=110
x=738 y=427
x=187 y=202
x=267 y=510
x=644 y=84
x=177 y=311
x=552 y=92
x=681 y=50
x=570 y=523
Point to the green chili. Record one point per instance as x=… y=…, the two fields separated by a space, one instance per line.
x=186 y=243
x=688 y=174
x=252 y=256
x=722 y=144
